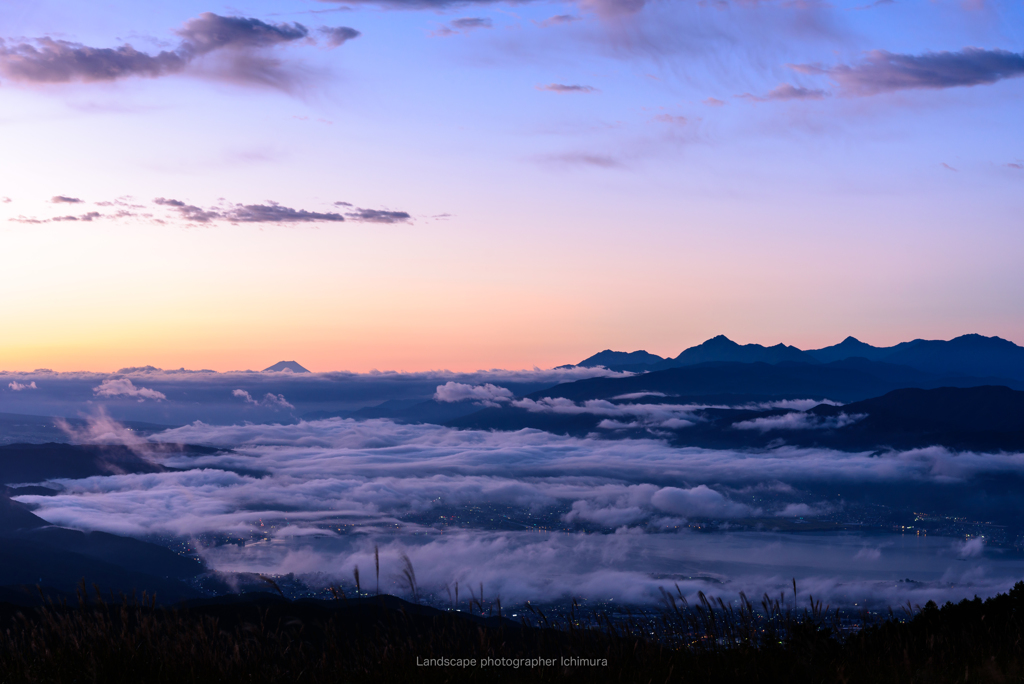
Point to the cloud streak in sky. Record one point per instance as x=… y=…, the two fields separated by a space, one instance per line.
x=881 y=71
x=209 y=32
x=787 y=92
x=464 y=25
x=378 y=216
x=339 y=35
x=271 y=212
x=241 y=44
x=563 y=88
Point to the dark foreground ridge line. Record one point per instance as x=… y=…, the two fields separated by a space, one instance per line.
x=263 y=638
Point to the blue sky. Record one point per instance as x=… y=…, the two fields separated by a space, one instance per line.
x=557 y=178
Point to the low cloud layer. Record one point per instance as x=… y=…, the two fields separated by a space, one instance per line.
x=207 y=395
x=270 y=400
x=123 y=387
x=799 y=421
x=618 y=416
x=485 y=395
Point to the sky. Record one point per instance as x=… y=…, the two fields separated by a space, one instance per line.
x=420 y=184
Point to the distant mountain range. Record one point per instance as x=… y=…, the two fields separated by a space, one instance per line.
x=968 y=355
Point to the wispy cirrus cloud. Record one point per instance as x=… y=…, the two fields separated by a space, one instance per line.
x=786 y=92
x=881 y=71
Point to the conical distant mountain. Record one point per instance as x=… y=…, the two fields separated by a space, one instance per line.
x=285 y=366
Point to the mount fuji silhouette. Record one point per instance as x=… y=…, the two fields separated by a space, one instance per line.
x=285 y=366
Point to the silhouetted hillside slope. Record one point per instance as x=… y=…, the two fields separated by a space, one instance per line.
x=35 y=552
x=977 y=418
x=38 y=462
x=850 y=380
x=15 y=516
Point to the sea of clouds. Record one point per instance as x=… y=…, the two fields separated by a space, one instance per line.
x=320 y=495
x=176 y=397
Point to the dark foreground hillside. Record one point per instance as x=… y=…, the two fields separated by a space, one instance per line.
x=382 y=639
